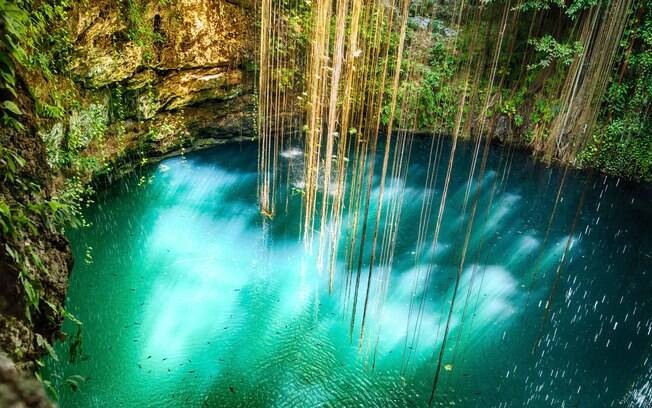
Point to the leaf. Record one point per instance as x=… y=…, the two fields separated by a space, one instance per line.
x=32 y=296
x=5 y=210
x=47 y=383
x=75 y=380
x=55 y=206
x=41 y=341
x=12 y=107
x=70 y=316
x=19 y=160
x=11 y=166
x=13 y=254
x=9 y=78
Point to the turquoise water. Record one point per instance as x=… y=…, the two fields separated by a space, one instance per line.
x=189 y=298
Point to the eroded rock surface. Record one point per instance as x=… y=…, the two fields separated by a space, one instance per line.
x=18 y=390
x=166 y=56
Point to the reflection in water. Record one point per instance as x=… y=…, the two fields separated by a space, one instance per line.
x=193 y=299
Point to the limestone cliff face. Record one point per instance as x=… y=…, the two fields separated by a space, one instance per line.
x=190 y=34
x=166 y=55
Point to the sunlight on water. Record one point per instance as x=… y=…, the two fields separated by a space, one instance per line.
x=192 y=299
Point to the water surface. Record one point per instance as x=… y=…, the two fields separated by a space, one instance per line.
x=189 y=298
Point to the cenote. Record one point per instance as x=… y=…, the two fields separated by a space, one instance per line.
x=190 y=297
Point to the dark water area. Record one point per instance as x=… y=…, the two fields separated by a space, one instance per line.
x=190 y=298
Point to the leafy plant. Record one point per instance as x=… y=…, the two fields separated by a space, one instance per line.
x=552 y=51
x=622 y=142
x=140 y=31
x=14 y=23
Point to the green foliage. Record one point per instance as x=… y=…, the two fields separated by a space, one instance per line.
x=35 y=38
x=41 y=341
x=65 y=142
x=621 y=148
x=30 y=40
x=285 y=77
x=10 y=163
x=18 y=222
x=66 y=206
x=530 y=5
x=551 y=51
x=299 y=24
x=85 y=126
x=575 y=7
x=510 y=107
x=429 y=89
x=49 y=44
x=571 y=8
x=622 y=143
x=141 y=31
x=544 y=112
x=14 y=23
x=52 y=391
x=74 y=381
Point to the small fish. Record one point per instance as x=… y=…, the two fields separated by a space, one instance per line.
x=232 y=389
x=448 y=367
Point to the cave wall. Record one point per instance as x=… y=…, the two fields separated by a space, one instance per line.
x=193 y=79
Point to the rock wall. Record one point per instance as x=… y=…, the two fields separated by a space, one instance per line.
x=18 y=390
x=49 y=261
x=171 y=55
x=192 y=34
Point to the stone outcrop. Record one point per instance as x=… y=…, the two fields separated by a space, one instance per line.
x=182 y=88
x=166 y=56
x=166 y=36
x=19 y=391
